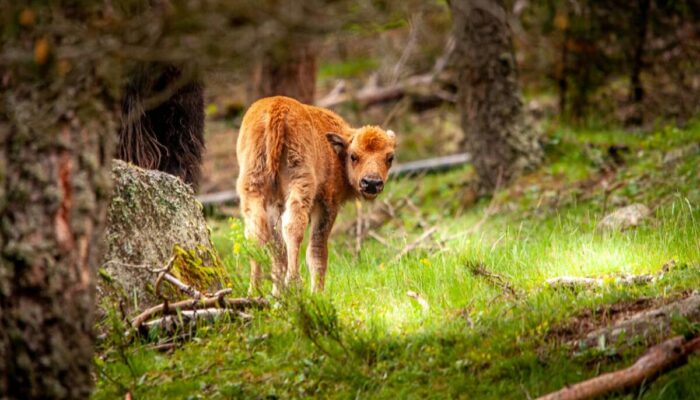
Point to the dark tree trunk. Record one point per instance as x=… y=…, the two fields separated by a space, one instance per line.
x=54 y=191
x=495 y=130
x=163 y=121
x=562 y=78
x=636 y=88
x=288 y=73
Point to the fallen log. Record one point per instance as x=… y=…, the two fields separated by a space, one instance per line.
x=430 y=165
x=657 y=360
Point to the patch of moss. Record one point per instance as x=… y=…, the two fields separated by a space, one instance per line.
x=200 y=267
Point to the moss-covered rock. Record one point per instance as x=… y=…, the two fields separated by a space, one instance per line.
x=154 y=216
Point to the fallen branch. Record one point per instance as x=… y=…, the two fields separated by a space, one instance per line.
x=193 y=304
x=173 y=323
x=657 y=360
x=415 y=243
x=573 y=282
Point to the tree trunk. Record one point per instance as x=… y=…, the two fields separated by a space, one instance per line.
x=54 y=191
x=495 y=130
x=289 y=73
x=163 y=120
x=636 y=88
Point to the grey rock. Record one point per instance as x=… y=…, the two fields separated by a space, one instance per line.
x=625 y=217
x=150 y=214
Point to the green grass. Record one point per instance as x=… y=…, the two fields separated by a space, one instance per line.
x=365 y=338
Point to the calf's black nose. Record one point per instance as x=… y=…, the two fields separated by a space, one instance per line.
x=371 y=185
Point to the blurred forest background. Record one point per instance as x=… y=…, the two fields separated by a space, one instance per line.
x=627 y=64
x=569 y=110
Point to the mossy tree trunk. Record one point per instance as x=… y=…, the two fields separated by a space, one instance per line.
x=496 y=134
x=54 y=192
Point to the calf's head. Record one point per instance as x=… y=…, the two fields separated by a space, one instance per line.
x=367 y=155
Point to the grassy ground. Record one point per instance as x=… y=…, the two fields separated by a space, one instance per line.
x=366 y=338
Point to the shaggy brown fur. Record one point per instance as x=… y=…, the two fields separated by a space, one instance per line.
x=163 y=121
x=298 y=163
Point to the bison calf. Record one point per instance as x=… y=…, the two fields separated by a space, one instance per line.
x=298 y=164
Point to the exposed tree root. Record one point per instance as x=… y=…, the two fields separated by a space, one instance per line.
x=657 y=360
x=649 y=324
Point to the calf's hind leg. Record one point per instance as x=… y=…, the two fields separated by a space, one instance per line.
x=322 y=218
x=279 y=252
x=294 y=221
x=256 y=231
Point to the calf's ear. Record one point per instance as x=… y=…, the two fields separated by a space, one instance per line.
x=339 y=144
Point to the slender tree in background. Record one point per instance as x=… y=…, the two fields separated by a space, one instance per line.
x=501 y=143
x=640 y=39
x=288 y=70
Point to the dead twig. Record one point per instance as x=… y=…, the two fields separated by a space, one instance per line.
x=657 y=360
x=478 y=269
x=358 y=227
x=415 y=243
x=422 y=301
x=378 y=238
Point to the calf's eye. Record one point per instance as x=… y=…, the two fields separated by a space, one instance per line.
x=390 y=159
x=354 y=158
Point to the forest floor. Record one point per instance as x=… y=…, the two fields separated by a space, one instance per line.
x=467 y=312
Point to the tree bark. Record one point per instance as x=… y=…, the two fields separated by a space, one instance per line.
x=291 y=73
x=54 y=191
x=496 y=132
x=163 y=120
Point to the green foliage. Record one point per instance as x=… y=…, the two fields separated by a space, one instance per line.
x=347 y=69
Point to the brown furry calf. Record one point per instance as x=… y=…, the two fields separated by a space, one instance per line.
x=298 y=164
